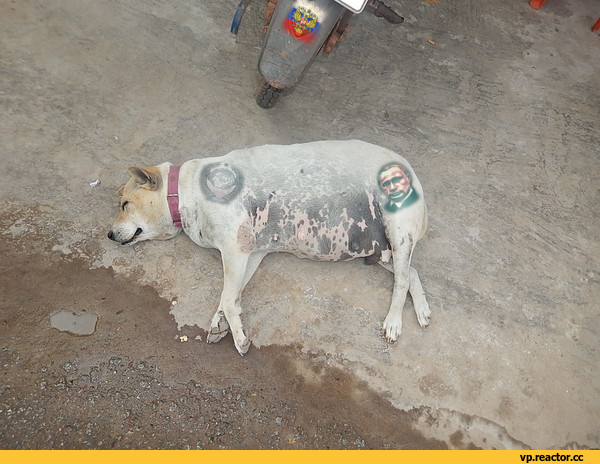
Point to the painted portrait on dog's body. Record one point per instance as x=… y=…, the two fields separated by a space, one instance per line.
x=395 y=181
x=286 y=198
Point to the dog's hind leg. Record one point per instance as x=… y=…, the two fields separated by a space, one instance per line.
x=392 y=325
x=230 y=309
x=418 y=296
x=416 y=292
x=387 y=266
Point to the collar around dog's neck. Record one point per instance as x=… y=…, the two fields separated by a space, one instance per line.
x=173 y=195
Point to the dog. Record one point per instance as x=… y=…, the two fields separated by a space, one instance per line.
x=327 y=201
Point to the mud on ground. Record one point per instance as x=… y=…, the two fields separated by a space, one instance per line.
x=134 y=384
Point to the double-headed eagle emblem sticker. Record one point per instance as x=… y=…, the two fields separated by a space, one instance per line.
x=303 y=21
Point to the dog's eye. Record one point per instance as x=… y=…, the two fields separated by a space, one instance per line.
x=124 y=205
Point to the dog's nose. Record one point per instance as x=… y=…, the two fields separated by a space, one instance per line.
x=111 y=235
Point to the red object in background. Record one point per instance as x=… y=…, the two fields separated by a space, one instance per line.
x=537 y=4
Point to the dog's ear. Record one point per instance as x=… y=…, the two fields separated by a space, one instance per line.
x=148 y=178
x=120 y=191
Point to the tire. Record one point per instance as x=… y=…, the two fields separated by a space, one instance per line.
x=267 y=95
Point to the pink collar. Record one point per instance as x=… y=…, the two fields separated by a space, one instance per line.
x=173 y=195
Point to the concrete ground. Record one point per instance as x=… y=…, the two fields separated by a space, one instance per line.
x=496 y=105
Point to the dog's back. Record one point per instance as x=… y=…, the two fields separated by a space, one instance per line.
x=320 y=200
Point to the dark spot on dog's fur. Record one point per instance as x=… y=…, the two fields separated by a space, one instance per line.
x=324 y=244
x=374 y=258
x=324 y=223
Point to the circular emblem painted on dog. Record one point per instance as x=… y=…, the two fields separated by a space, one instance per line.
x=221 y=182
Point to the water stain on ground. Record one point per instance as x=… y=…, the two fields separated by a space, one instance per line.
x=77 y=324
x=133 y=383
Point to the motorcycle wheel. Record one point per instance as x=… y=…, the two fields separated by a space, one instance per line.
x=267 y=95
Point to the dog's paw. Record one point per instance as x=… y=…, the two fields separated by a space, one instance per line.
x=219 y=327
x=423 y=315
x=392 y=328
x=216 y=336
x=242 y=342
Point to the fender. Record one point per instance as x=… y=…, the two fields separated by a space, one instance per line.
x=288 y=50
x=297 y=31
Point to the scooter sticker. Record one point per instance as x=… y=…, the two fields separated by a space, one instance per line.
x=303 y=20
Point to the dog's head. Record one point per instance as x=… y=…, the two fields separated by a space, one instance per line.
x=144 y=209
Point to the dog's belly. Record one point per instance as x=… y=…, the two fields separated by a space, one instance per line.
x=327 y=229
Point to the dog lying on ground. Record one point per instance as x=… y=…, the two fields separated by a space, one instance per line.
x=328 y=201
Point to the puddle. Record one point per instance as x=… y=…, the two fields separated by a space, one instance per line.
x=78 y=324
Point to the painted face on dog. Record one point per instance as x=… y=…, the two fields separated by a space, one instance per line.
x=144 y=210
x=395 y=182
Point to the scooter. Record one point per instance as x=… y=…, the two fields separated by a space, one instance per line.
x=296 y=31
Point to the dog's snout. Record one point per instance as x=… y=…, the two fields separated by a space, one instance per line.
x=117 y=237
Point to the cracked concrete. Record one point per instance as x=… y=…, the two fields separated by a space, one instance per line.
x=495 y=105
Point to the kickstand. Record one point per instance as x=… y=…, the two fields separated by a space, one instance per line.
x=381 y=10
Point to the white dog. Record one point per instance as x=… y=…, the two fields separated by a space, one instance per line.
x=328 y=201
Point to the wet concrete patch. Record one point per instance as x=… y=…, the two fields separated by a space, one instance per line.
x=77 y=324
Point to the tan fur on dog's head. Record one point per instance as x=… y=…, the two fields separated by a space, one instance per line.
x=144 y=209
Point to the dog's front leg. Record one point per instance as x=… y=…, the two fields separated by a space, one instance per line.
x=230 y=309
x=219 y=325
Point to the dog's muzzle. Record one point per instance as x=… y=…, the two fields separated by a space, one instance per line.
x=111 y=236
